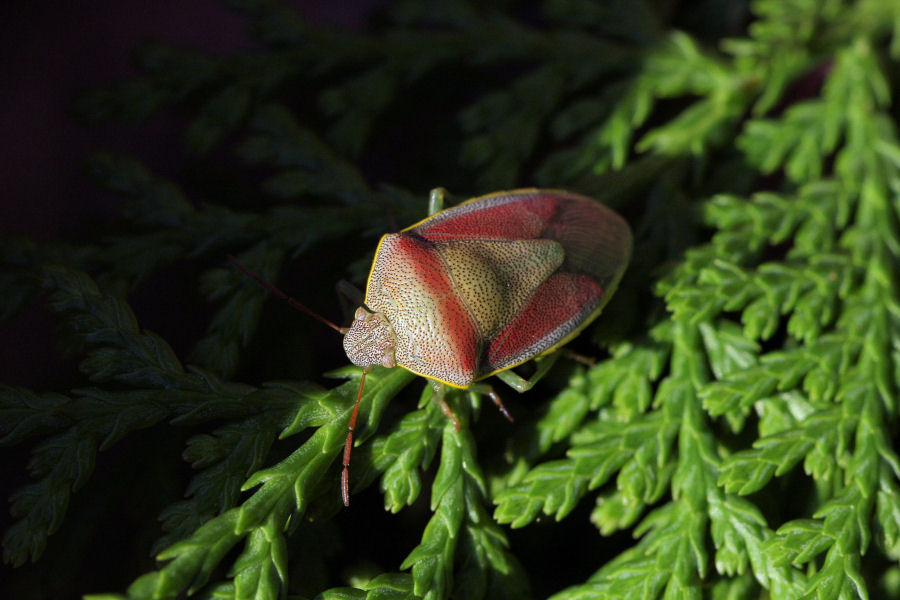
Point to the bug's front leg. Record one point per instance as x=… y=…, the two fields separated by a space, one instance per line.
x=439 y=390
x=436 y=200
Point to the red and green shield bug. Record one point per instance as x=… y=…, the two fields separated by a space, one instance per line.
x=479 y=288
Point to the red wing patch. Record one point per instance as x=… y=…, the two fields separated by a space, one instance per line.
x=559 y=306
x=436 y=336
x=506 y=217
x=596 y=240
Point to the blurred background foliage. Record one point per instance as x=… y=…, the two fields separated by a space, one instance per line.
x=735 y=438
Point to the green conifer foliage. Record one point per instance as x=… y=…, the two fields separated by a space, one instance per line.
x=733 y=439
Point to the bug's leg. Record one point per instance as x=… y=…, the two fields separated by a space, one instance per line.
x=439 y=389
x=487 y=390
x=349 y=297
x=579 y=358
x=348 y=442
x=436 y=200
x=521 y=384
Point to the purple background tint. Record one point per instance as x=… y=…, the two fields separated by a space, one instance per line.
x=50 y=51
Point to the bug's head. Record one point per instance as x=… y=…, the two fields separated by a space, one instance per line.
x=370 y=340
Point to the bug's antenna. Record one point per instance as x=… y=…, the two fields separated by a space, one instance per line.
x=348 y=443
x=351 y=425
x=280 y=294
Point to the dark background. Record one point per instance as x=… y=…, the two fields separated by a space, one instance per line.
x=50 y=52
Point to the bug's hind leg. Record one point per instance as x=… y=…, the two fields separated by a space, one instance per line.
x=483 y=388
x=516 y=382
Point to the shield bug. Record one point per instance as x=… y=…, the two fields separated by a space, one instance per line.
x=481 y=287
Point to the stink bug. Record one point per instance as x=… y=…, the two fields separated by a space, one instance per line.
x=479 y=288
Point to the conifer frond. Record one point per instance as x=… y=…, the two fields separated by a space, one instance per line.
x=737 y=424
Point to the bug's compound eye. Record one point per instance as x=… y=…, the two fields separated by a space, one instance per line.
x=370 y=340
